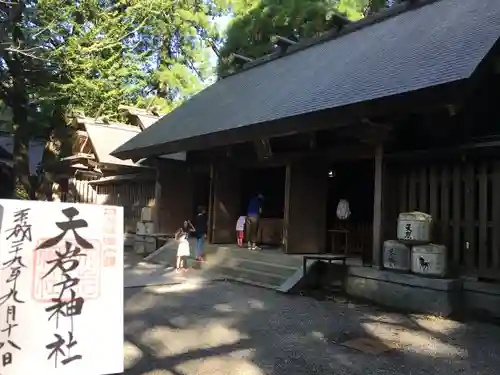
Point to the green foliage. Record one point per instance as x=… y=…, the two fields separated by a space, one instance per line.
x=131 y=52
x=20 y=191
x=249 y=34
x=62 y=56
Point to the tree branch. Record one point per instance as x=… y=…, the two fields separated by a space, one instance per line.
x=26 y=53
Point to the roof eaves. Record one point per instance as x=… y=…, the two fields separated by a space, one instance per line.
x=134 y=111
x=335 y=33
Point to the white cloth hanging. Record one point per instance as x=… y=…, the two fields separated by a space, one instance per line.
x=343 y=210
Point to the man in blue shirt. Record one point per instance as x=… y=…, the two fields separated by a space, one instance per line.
x=253 y=220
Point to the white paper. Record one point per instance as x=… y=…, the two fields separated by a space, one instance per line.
x=98 y=328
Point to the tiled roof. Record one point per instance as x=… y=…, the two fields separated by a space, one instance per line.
x=438 y=43
x=105 y=138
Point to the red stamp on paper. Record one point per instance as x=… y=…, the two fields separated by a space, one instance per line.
x=88 y=272
x=109 y=258
x=110 y=220
x=109 y=241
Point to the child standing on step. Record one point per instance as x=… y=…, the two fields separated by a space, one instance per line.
x=240 y=230
x=183 y=249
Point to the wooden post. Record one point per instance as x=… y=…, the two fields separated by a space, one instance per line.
x=156 y=211
x=305 y=213
x=378 y=206
x=210 y=224
x=286 y=218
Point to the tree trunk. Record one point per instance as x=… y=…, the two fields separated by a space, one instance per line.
x=18 y=101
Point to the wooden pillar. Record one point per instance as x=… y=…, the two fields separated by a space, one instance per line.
x=210 y=207
x=305 y=208
x=156 y=210
x=226 y=204
x=378 y=206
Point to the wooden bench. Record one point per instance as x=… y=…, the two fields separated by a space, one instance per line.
x=322 y=258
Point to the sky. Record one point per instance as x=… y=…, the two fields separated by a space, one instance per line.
x=221 y=23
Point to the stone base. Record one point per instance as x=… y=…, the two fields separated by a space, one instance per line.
x=481 y=299
x=406 y=292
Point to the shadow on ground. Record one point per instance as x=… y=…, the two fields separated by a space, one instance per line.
x=225 y=328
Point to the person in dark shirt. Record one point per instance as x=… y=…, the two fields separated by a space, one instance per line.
x=253 y=220
x=201 y=229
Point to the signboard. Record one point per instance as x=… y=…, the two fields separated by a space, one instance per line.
x=61 y=288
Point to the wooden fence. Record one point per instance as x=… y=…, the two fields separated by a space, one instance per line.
x=464 y=201
x=360 y=237
x=82 y=191
x=131 y=195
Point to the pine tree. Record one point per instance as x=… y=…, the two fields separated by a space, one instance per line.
x=130 y=51
x=249 y=34
x=90 y=56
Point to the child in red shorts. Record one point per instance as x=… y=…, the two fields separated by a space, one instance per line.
x=240 y=230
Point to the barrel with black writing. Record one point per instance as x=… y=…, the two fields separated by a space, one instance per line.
x=429 y=260
x=396 y=256
x=414 y=227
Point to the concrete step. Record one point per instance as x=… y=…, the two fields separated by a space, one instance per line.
x=260 y=266
x=264 y=268
x=248 y=282
x=267 y=256
x=264 y=279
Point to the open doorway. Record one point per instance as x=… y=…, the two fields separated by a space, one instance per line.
x=271 y=183
x=201 y=191
x=352 y=182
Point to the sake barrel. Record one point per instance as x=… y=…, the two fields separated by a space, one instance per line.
x=429 y=260
x=396 y=256
x=414 y=227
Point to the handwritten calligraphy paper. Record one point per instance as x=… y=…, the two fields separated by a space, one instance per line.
x=61 y=288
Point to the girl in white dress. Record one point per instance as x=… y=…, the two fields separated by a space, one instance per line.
x=183 y=249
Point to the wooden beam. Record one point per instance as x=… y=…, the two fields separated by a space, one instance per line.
x=456 y=152
x=237 y=57
x=341 y=153
x=263 y=149
x=281 y=41
x=378 y=206
x=82 y=147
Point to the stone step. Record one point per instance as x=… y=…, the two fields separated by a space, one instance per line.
x=259 y=266
x=248 y=282
x=264 y=279
x=266 y=256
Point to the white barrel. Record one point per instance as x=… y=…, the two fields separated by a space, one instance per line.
x=430 y=260
x=140 y=228
x=396 y=256
x=147 y=214
x=414 y=227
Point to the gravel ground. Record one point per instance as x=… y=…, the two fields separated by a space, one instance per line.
x=222 y=328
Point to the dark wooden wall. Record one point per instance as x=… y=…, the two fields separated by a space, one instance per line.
x=305 y=207
x=464 y=199
x=226 y=204
x=176 y=196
